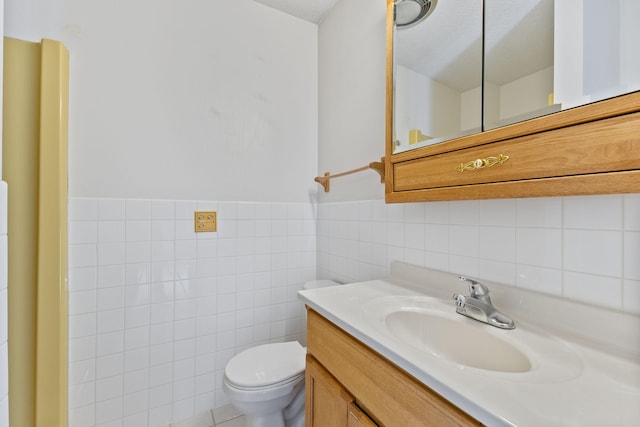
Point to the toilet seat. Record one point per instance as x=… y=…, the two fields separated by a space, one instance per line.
x=266 y=366
x=293 y=380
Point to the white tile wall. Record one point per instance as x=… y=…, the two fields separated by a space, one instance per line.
x=581 y=248
x=157 y=310
x=4 y=356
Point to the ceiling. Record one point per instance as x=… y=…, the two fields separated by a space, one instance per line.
x=309 y=10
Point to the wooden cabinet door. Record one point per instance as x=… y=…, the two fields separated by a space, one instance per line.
x=391 y=396
x=357 y=418
x=328 y=404
x=326 y=401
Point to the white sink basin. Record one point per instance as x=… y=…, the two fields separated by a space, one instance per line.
x=428 y=326
x=556 y=367
x=456 y=340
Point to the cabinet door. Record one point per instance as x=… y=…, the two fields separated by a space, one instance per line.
x=357 y=418
x=328 y=404
x=326 y=401
x=389 y=395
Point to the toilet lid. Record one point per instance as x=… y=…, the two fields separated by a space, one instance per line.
x=266 y=364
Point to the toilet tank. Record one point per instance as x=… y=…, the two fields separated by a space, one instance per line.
x=312 y=284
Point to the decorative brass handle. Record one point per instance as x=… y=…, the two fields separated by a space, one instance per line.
x=482 y=163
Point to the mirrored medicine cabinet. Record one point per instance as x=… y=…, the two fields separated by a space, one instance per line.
x=512 y=98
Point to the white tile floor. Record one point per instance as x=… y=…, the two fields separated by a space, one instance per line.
x=225 y=416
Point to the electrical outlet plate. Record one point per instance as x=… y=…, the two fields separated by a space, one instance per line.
x=205 y=221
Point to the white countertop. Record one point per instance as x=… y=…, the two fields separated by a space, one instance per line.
x=575 y=380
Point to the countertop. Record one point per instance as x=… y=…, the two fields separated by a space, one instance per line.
x=591 y=379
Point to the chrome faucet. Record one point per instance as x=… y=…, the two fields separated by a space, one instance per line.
x=478 y=306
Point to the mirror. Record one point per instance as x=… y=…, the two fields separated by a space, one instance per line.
x=543 y=56
x=540 y=57
x=438 y=75
x=519 y=59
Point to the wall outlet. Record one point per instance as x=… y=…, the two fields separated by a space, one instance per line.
x=205 y=221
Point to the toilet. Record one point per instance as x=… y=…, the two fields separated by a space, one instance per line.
x=266 y=382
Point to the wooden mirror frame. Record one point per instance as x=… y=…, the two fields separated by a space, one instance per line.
x=591 y=149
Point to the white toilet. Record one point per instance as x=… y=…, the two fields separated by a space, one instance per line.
x=266 y=382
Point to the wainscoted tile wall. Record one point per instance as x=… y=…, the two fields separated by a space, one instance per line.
x=4 y=352
x=581 y=248
x=156 y=310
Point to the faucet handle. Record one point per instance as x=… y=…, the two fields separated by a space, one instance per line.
x=476 y=289
x=460 y=301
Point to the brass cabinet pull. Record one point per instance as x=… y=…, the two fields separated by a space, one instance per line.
x=482 y=163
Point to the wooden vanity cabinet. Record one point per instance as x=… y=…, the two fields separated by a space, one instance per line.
x=349 y=384
x=593 y=149
x=328 y=402
x=584 y=150
x=357 y=418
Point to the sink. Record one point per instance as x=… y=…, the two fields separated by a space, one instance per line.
x=423 y=327
x=454 y=339
x=555 y=367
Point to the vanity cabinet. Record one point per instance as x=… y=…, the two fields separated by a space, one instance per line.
x=585 y=148
x=579 y=159
x=329 y=403
x=593 y=149
x=357 y=418
x=349 y=384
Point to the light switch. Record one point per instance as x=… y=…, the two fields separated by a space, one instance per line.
x=205 y=221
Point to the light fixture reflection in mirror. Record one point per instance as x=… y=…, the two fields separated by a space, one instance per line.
x=411 y=12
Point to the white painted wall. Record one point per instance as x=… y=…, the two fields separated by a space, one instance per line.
x=629 y=59
x=351 y=81
x=31 y=19
x=577 y=43
x=471 y=111
x=193 y=99
x=526 y=94
x=425 y=104
x=176 y=106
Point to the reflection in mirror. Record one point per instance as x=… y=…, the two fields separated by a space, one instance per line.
x=596 y=50
x=542 y=56
x=438 y=76
x=518 y=82
x=411 y=12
